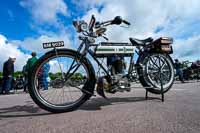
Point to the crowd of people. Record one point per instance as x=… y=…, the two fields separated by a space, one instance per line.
x=8 y=82
x=189 y=72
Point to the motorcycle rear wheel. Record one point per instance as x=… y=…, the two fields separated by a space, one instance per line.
x=156 y=69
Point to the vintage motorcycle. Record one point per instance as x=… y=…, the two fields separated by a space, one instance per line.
x=76 y=78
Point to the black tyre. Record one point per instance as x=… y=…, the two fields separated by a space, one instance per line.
x=59 y=94
x=154 y=69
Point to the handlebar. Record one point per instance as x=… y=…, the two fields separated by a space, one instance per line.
x=117 y=20
x=100 y=28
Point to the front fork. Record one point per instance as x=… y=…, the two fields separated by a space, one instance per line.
x=75 y=64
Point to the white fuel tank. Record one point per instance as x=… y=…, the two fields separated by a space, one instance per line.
x=106 y=49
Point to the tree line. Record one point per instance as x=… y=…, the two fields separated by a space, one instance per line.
x=52 y=76
x=17 y=73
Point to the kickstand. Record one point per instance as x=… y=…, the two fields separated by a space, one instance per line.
x=161 y=84
x=146 y=96
x=162 y=93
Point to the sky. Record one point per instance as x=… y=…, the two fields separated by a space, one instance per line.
x=26 y=24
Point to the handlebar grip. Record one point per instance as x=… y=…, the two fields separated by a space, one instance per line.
x=126 y=22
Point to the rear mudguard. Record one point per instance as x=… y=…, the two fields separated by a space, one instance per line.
x=144 y=54
x=139 y=67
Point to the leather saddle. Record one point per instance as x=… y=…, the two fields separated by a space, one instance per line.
x=139 y=42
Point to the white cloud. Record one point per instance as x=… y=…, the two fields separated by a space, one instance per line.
x=56 y=66
x=44 y=11
x=35 y=44
x=147 y=15
x=175 y=18
x=9 y=50
x=187 y=49
x=84 y=5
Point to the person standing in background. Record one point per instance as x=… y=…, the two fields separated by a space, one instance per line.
x=31 y=61
x=1 y=85
x=179 y=72
x=45 y=74
x=25 y=75
x=8 y=73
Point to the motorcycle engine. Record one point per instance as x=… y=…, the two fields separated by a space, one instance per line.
x=121 y=82
x=118 y=84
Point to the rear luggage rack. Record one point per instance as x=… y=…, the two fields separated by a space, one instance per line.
x=162 y=45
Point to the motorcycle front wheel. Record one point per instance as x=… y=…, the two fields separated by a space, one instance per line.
x=156 y=71
x=52 y=86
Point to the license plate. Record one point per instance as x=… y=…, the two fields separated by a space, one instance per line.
x=53 y=44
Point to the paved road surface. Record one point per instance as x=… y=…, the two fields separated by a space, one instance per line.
x=123 y=113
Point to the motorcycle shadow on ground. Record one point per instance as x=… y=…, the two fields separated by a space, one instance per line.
x=31 y=110
x=97 y=103
x=28 y=110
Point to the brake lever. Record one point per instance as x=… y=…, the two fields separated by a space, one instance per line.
x=105 y=38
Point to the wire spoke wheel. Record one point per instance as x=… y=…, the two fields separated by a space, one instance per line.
x=58 y=82
x=157 y=69
x=58 y=91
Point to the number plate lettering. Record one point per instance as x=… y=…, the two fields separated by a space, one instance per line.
x=53 y=44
